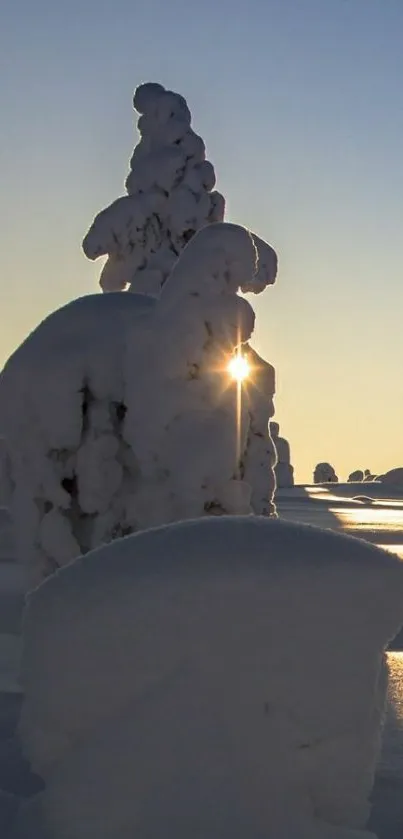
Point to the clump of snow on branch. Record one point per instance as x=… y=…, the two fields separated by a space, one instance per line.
x=227 y=673
x=120 y=414
x=324 y=473
x=284 y=470
x=170 y=196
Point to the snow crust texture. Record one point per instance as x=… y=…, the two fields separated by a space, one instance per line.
x=119 y=412
x=324 y=473
x=222 y=677
x=284 y=471
x=170 y=196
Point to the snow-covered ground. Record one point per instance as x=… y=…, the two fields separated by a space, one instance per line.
x=370 y=511
x=377 y=518
x=373 y=512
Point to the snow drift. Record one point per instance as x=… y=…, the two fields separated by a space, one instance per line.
x=219 y=677
x=170 y=197
x=119 y=412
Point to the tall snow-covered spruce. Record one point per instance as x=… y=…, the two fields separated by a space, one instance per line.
x=170 y=196
x=120 y=414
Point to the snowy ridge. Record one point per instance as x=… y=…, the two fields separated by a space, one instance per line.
x=120 y=414
x=221 y=672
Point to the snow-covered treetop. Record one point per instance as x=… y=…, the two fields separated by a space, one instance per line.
x=250 y=645
x=169 y=197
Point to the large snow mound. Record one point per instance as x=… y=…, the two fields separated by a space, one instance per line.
x=119 y=412
x=221 y=677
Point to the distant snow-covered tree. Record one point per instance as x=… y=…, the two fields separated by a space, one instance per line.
x=393 y=478
x=283 y=469
x=324 y=473
x=356 y=477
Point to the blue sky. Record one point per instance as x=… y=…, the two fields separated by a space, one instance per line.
x=300 y=104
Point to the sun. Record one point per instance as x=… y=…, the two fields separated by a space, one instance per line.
x=239 y=367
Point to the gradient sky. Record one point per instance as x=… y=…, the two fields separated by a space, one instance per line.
x=300 y=103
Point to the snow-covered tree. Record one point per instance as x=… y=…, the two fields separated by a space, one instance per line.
x=393 y=478
x=120 y=414
x=355 y=477
x=283 y=469
x=170 y=196
x=324 y=474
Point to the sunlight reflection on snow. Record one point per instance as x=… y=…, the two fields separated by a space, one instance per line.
x=394 y=549
x=373 y=517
